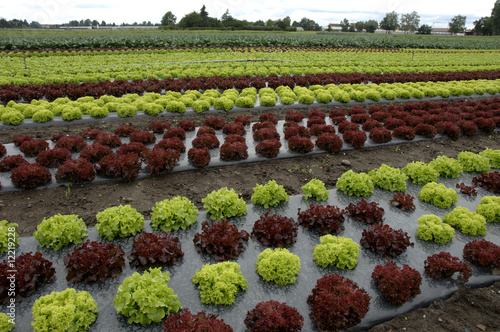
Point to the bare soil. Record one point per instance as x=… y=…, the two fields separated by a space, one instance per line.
x=474 y=309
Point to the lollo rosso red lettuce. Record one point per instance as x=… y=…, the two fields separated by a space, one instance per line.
x=159 y=127
x=300 y=144
x=404 y=132
x=186 y=125
x=175 y=132
x=29 y=176
x=77 y=171
x=135 y=147
x=337 y=303
x=380 y=135
x=31 y=148
x=215 y=122
x=315 y=112
x=329 y=142
x=110 y=140
x=171 y=143
x=233 y=151
x=142 y=136
x=201 y=322
x=94 y=261
x=355 y=137
x=385 y=241
x=318 y=129
x=199 y=157
x=275 y=231
x=124 y=131
x=160 y=160
x=444 y=265
x=370 y=124
x=126 y=166
x=72 y=143
x=296 y=130
x=294 y=116
x=397 y=285
x=467 y=190
x=327 y=219
x=10 y=162
x=205 y=130
x=95 y=152
x=243 y=119
x=268 y=148
x=206 y=141
x=234 y=128
x=403 y=201
x=482 y=253
x=155 y=249
x=20 y=139
x=220 y=240
x=91 y=133
x=264 y=124
x=274 y=316
x=488 y=181
x=31 y=271
x=366 y=213
x=315 y=120
x=53 y=157
x=265 y=133
x=234 y=138
x=268 y=117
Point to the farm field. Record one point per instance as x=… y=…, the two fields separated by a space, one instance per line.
x=468 y=308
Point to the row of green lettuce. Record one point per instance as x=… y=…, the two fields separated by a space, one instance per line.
x=50 y=39
x=163 y=64
x=154 y=104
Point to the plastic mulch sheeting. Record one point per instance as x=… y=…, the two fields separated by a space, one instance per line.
x=294 y=295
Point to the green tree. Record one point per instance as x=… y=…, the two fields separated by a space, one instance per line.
x=495 y=18
x=190 y=20
x=371 y=26
x=204 y=13
x=307 y=24
x=484 y=26
x=35 y=25
x=345 y=25
x=360 y=26
x=168 y=19
x=457 y=24
x=390 y=21
x=410 y=22
x=259 y=23
x=425 y=29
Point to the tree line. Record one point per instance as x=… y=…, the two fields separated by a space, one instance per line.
x=489 y=25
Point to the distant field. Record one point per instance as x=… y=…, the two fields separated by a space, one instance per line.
x=55 y=39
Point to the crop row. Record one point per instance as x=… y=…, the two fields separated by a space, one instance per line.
x=64 y=40
x=182 y=63
x=151 y=291
x=51 y=91
x=163 y=148
x=204 y=50
x=154 y=104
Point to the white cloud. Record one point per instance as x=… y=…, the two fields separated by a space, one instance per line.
x=59 y=11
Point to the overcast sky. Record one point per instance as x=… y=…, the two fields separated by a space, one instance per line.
x=433 y=12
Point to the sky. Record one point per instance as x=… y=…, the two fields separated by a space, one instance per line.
x=436 y=13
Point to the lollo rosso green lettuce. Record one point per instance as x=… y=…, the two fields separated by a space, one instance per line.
x=60 y=230
x=278 y=265
x=358 y=184
x=337 y=251
x=120 y=221
x=219 y=283
x=270 y=194
x=172 y=214
x=388 y=178
x=438 y=195
x=64 y=311
x=466 y=221
x=315 y=188
x=489 y=208
x=224 y=203
x=146 y=298
x=8 y=234
x=431 y=228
